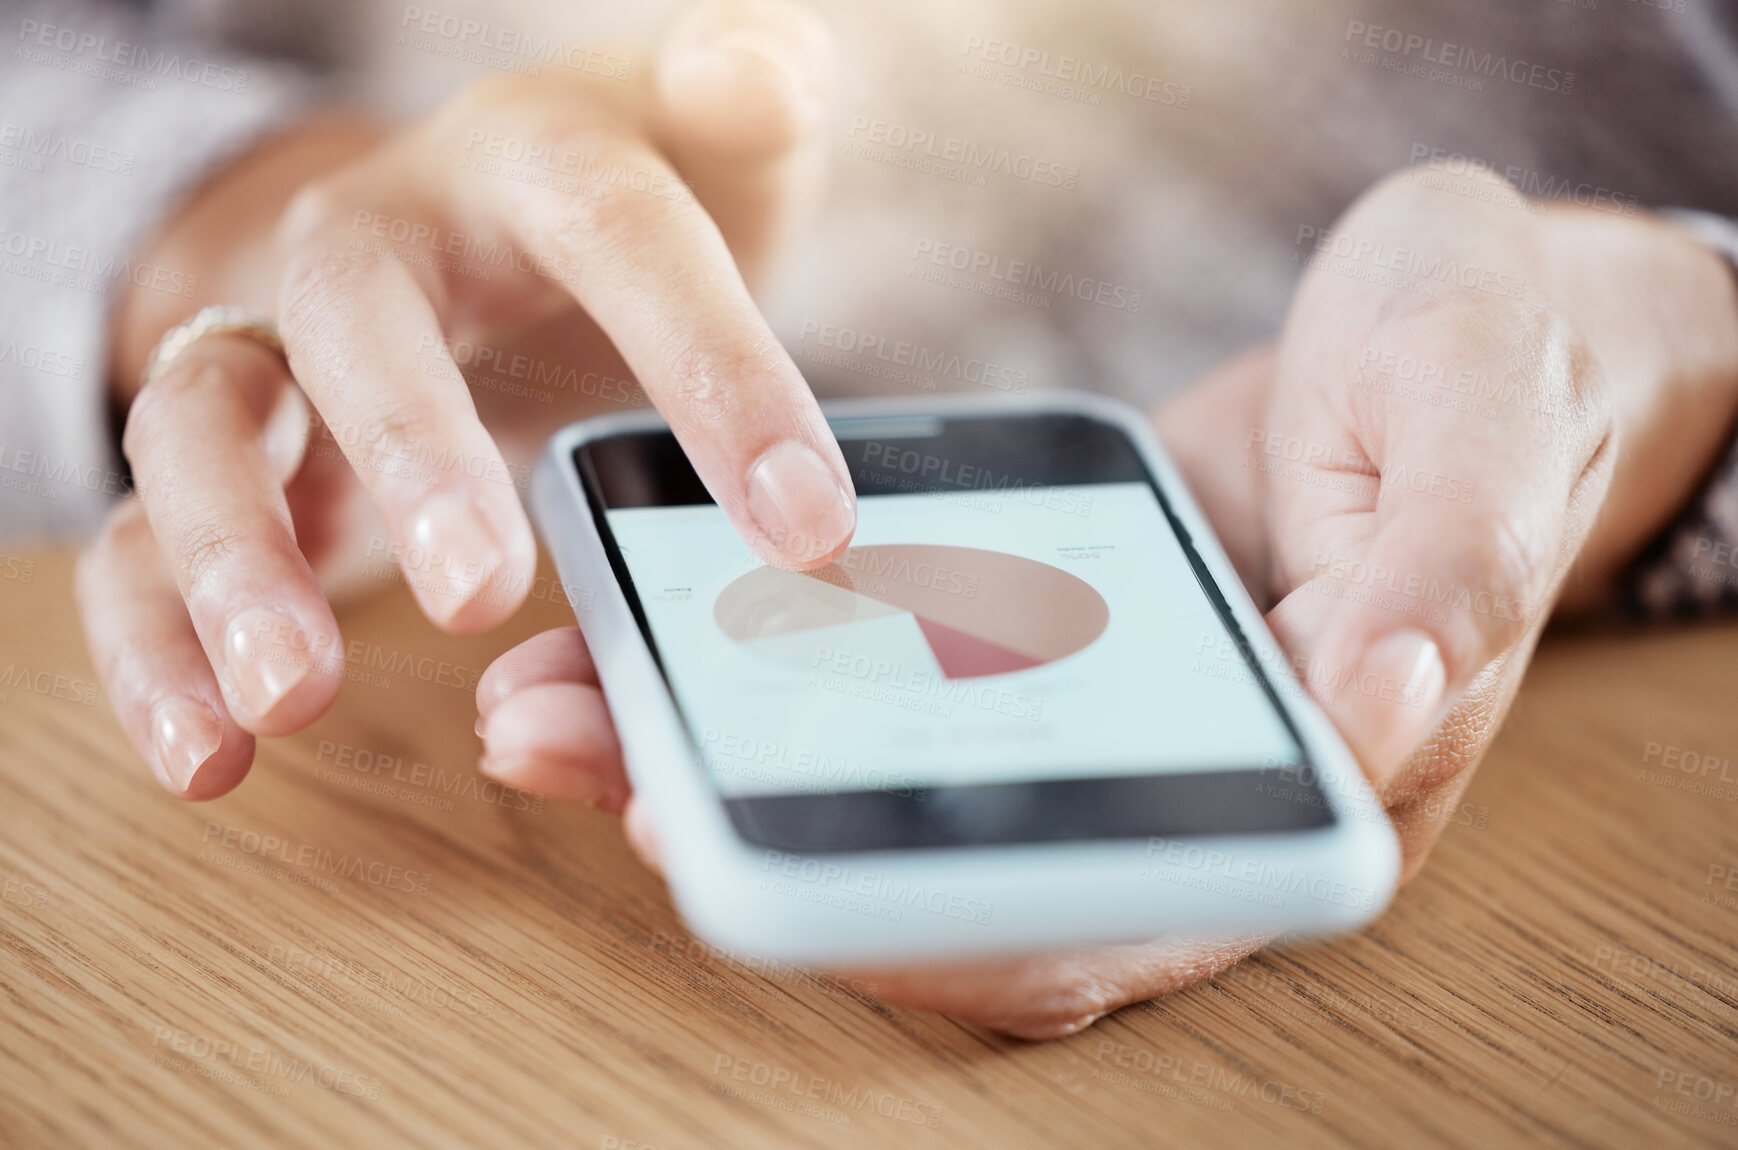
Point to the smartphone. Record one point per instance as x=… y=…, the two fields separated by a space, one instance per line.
x=1031 y=707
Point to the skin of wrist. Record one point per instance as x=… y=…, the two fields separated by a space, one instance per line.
x=1658 y=314
x=220 y=237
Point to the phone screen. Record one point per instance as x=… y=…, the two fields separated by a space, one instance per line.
x=1021 y=645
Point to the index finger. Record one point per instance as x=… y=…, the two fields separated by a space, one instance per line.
x=655 y=273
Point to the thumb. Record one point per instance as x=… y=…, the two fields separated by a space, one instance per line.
x=1474 y=523
x=744 y=88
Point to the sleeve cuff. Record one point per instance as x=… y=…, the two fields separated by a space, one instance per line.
x=1692 y=568
x=106 y=132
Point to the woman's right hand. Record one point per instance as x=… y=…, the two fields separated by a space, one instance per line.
x=626 y=236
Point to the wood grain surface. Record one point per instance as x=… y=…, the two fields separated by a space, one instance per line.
x=364 y=946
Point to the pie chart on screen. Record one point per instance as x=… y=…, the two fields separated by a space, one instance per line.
x=980 y=612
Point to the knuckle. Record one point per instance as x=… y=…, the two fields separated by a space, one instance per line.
x=1508 y=551
x=707 y=382
x=1534 y=350
x=1571 y=385
x=318 y=208
x=1514 y=561
x=1456 y=324
x=1389 y=192
x=608 y=221
x=385 y=432
x=610 y=218
x=700 y=384
x=1471 y=186
x=317 y=286
x=1400 y=205
x=204 y=549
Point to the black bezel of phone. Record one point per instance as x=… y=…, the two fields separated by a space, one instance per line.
x=957 y=454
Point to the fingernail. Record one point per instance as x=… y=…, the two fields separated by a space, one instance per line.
x=479 y=726
x=511 y=770
x=540 y=774
x=1413 y=660
x=716 y=52
x=268 y=654
x=777 y=52
x=462 y=554
x=797 y=504
x=1395 y=699
x=185 y=733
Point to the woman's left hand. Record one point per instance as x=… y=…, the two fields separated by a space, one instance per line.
x=1477 y=410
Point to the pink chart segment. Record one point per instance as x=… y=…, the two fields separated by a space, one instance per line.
x=981 y=612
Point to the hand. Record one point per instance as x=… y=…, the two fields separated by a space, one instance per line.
x=620 y=244
x=1412 y=543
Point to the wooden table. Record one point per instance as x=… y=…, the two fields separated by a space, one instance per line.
x=364 y=946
